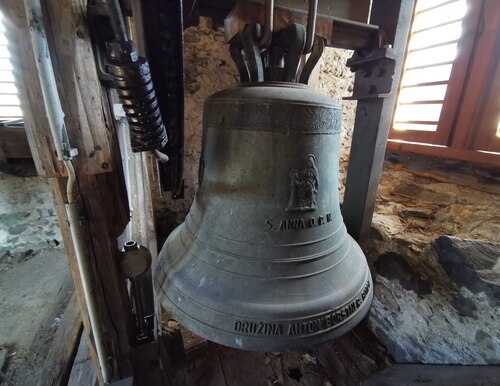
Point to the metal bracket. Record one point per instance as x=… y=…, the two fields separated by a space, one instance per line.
x=374 y=73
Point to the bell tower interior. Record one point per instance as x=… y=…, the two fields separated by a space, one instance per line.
x=249 y=192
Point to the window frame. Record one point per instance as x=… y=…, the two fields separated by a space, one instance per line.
x=9 y=70
x=464 y=127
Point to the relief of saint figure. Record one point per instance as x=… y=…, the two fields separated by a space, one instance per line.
x=304 y=187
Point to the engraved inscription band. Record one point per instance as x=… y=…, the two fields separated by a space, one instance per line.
x=319 y=324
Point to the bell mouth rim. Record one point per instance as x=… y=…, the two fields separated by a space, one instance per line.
x=273 y=83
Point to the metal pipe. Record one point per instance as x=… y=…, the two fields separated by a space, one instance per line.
x=55 y=114
x=64 y=152
x=161 y=157
x=311 y=25
x=123 y=132
x=85 y=269
x=267 y=35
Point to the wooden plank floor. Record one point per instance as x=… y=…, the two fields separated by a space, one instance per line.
x=347 y=361
x=83 y=372
x=63 y=350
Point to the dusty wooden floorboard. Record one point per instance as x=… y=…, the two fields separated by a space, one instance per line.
x=57 y=368
x=83 y=371
x=417 y=375
x=347 y=361
x=151 y=365
x=194 y=345
x=353 y=357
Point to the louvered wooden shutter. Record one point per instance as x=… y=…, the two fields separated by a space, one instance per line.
x=9 y=101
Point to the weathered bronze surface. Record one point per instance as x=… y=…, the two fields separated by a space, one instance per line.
x=263 y=260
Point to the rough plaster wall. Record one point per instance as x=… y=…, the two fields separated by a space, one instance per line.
x=28 y=221
x=208 y=69
x=336 y=80
x=421 y=313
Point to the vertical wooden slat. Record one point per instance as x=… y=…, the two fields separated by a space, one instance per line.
x=57 y=367
x=372 y=124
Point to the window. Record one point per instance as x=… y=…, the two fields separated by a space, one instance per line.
x=9 y=101
x=448 y=102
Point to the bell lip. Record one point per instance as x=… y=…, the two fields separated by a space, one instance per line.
x=222 y=333
x=268 y=345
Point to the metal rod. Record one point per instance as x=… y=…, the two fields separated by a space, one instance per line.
x=267 y=35
x=161 y=157
x=139 y=307
x=311 y=25
x=116 y=20
x=123 y=133
x=85 y=269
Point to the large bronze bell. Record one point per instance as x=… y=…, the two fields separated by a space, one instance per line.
x=263 y=260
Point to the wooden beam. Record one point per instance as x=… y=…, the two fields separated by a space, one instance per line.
x=478 y=157
x=372 y=124
x=83 y=371
x=356 y=10
x=63 y=349
x=14 y=143
x=341 y=33
x=105 y=216
x=29 y=89
x=151 y=365
x=82 y=98
x=100 y=186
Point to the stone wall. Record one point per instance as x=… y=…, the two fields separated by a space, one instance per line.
x=336 y=80
x=28 y=220
x=436 y=304
x=208 y=69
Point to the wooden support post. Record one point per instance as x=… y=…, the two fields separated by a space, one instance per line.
x=13 y=142
x=372 y=124
x=83 y=371
x=100 y=185
x=63 y=349
x=105 y=218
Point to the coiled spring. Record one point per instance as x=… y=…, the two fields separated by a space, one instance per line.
x=134 y=85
